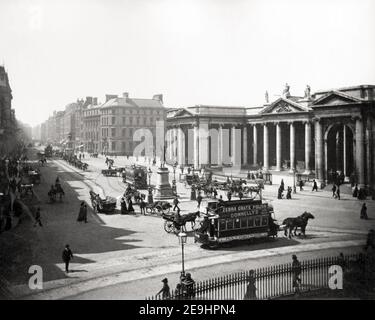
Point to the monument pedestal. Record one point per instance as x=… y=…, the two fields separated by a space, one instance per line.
x=163 y=189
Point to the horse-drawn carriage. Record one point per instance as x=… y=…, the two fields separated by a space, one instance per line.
x=173 y=226
x=135 y=175
x=191 y=179
x=159 y=207
x=107 y=205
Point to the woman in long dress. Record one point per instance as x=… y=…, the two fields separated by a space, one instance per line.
x=81 y=214
x=130 y=205
x=124 y=209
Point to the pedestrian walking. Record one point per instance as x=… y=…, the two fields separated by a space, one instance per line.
x=364 y=212
x=240 y=194
x=175 y=203
x=130 y=205
x=142 y=205
x=67 y=255
x=355 y=191
x=250 y=288
x=282 y=187
x=229 y=195
x=296 y=272
x=124 y=209
x=315 y=186
x=338 y=192
x=199 y=200
x=81 y=213
x=165 y=291
x=300 y=185
x=334 y=191
x=38 y=219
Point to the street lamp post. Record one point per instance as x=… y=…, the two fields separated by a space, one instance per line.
x=294 y=181
x=182 y=237
x=174 y=177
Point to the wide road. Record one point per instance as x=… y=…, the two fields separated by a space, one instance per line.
x=116 y=251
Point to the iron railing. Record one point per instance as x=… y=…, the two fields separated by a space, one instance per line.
x=270 y=282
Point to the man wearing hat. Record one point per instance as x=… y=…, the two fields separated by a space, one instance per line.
x=67 y=255
x=165 y=290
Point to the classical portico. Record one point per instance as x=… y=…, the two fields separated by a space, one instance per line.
x=315 y=135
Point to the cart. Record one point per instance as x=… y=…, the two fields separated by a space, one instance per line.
x=107 y=205
x=159 y=207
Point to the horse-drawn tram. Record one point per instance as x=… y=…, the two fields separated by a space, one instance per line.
x=136 y=176
x=227 y=221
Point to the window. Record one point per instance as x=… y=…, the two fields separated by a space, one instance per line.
x=113 y=120
x=113 y=132
x=137 y=121
x=123 y=132
x=257 y=221
x=250 y=222
x=265 y=221
x=222 y=225
x=123 y=121
x=113 y=145
x=131 y=120
x=229 y=224
x=244 y=222
x=131 y=133
x=237 y=223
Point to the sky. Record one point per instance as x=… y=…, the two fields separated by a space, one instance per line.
x=216 y=52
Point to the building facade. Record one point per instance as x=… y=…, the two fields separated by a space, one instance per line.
x=316 y=134
x=7 y=114
x=121 y=117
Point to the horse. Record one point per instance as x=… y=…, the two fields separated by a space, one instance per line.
x=190 y=217
x=298 y=222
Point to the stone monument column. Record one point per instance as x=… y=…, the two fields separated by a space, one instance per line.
x=244 y=144
x=319 y=150
x=278 y=147
x=292 y=147
x=266 y=165
x=307 y=147
x=255 y=145
x=359 y=159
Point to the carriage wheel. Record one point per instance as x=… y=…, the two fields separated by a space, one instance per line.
x=159 y=210
x=169 y=226
x=149 y=210
x=166 y=210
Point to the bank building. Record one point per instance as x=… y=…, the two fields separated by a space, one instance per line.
x=317 y=135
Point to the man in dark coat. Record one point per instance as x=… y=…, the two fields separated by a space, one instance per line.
x=175 y=203
x=67 y=255
x=364 y=212
x=315 y=186
x=296 y=272
x=165 y=291
x=199 y=200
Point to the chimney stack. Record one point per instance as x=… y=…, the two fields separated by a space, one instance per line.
x=125 y=95
x=95 y=101
x=88 y=101
x=158 y=97
x=110 y=96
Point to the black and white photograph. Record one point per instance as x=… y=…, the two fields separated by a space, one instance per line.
x=187 y=150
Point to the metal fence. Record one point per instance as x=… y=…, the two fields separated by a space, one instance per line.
x=270 y=282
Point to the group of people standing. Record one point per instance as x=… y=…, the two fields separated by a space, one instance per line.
x=184 y=289
x=282 y=189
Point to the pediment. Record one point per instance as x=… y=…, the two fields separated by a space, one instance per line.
x=283 y=106
x=335 y=98
x=179 y=113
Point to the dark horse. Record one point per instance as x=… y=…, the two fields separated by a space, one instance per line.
x=189 y=217
x=299 y=222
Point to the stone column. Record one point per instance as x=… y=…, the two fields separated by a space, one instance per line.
x=255 y=145
x=220 y=145
x=368 y=175
x=292 y=147
x=203 y=143
x=236 y=147
x=244 y=144
x=181 y=147
x=319 y=150
x=307 y=147
x=266 y=165
x=196 y=146
x=344 y=150
x=359 y=159
x=170 y=144
x=278 y=147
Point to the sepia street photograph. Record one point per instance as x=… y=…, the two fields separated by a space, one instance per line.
x=208 y=151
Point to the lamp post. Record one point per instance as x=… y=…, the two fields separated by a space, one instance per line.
x=149 y=176
x=182 y=237
x=294 y=181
